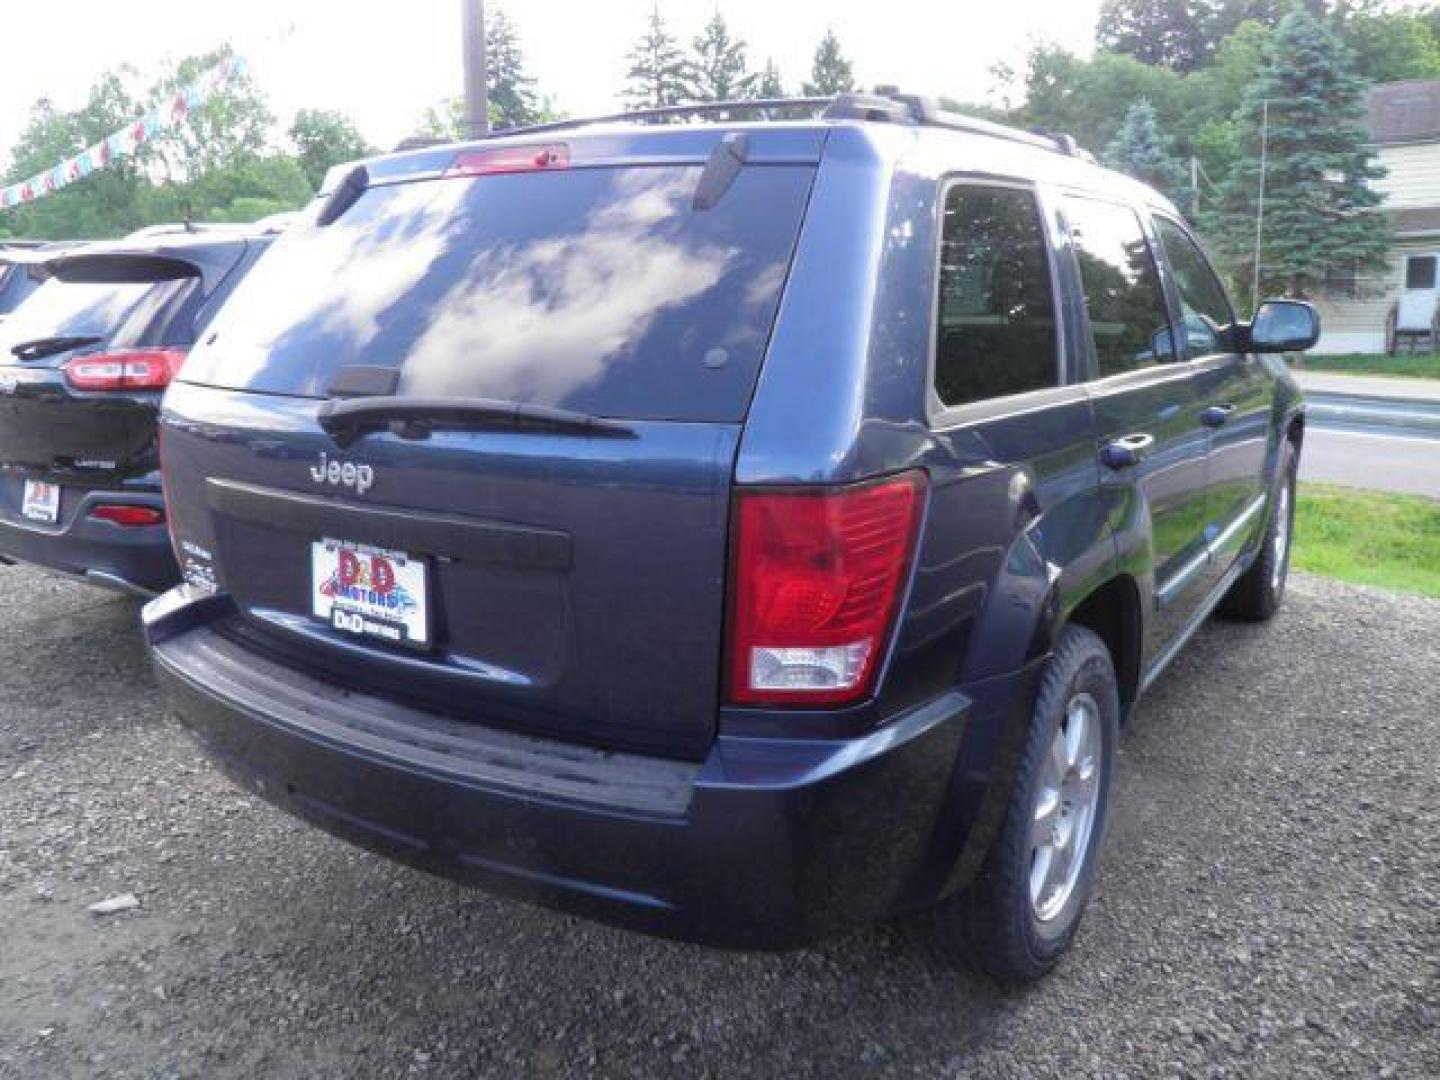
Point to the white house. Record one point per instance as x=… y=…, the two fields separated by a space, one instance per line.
x=1398 y=307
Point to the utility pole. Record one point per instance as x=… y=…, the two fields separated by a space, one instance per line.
x=472 y=44
x=1194 y=188
x=1260 y=204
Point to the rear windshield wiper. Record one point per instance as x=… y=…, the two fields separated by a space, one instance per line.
x=415 y=417
x=49 y=346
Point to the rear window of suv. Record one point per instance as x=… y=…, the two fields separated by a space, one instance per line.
x=595 y=289
x=113 y=311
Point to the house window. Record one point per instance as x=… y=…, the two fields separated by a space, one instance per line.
x=1420 y=272
x=1341 y=280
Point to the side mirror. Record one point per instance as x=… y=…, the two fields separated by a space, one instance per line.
x=1284 y=326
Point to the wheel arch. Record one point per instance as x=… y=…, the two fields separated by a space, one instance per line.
x=1113 y=612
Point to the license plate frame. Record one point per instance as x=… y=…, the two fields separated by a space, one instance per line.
x=371 y=593
x=40 y=501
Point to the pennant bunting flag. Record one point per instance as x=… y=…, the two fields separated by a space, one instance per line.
x=127 y=140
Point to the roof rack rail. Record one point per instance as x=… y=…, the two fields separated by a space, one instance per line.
x=886 y=105
x=676 y=112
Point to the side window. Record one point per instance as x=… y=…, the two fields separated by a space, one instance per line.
x=1122 y=287
x=1208 y=318
x=996 y=332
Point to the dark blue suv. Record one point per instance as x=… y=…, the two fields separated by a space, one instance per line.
x=84 y=360
x=735 y=531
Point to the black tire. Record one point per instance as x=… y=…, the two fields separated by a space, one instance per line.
x=1257 y=594
x=993 y=924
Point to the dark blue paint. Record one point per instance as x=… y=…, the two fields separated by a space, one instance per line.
x=791 y=823
x=101 y=447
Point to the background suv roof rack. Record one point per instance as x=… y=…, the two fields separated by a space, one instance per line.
x=886 y=106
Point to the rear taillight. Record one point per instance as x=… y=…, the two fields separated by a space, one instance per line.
x=815 y=580
x=510 y=159
x=124 y=369
x=129 y=516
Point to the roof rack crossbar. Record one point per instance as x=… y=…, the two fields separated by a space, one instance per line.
x=886 y=105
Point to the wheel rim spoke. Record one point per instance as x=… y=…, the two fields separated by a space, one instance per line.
x=1282 y=534
x=1064 y=808
x=1040 y=875
x=1047 y=809
x=1056 y=765
x=1077 y=733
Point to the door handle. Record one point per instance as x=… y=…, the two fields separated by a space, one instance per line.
x=1216 y=415
x=1126 y=451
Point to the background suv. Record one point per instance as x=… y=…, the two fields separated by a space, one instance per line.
x=737 y=531
x=83 y=362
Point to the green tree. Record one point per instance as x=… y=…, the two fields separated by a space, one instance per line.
x=1393 y=45
x=1089 y=99
x=1142 y=150
x=1170 y=33
x=231 y=126
x=107 y=202
x=720 y=71
x=1206 y=124
x=323 y=138
x=1320 y=209
x=768 y=83
x=513 y=101
x=659 y=74
x=247 y=191
x=830 y=73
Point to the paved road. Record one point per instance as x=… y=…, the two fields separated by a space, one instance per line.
x=1381 y=386
x=1377 y=459
x=1266 y=906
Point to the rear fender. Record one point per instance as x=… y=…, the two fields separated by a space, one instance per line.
x=1058 y=559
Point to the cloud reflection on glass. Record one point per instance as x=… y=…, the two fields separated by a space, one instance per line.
x=598 y=289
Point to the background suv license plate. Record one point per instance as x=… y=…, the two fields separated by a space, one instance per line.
x=41 y=502
x=370 y=592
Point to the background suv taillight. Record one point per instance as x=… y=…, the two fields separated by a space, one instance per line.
x=124 y=369
x=816 y=577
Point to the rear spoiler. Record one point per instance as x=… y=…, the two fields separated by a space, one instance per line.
x=120 y=262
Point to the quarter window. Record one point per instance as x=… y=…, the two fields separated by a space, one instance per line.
x=1122 y=288
x=996 y=332
x=1207 y=315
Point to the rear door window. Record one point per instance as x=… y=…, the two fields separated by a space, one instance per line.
x=1128 y=318
x=996 y=332
x=601 y=290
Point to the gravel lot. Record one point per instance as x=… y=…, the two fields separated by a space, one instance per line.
x=1269 y=905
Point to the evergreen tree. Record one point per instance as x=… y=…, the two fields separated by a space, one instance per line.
x=768 y=83
x=1142 y=150
x=1320 y=210
x=831 y=73
x=659 y=73
x=510 y=87
x=721 y=73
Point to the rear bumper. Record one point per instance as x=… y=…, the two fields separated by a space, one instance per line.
x=767 y=843
x=134 y=560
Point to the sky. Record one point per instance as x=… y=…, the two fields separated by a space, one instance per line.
x=383 y=62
